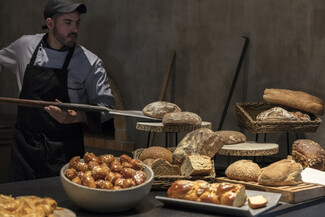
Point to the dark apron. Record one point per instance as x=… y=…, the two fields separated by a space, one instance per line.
x=41 y=145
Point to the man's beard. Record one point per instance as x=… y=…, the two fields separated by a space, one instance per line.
x=62 y=39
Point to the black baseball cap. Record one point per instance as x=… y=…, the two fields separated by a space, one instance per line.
x=62 y=6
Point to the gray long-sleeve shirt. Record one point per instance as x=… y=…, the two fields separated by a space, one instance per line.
x=87 y=79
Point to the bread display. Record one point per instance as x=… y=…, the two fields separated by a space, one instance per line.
x=181 y=118
x=202 y=141
x=27 y=206
x=256 y=202
x=229 y=137
x=196 y=165
x=106 y=171
x=162 y=167
x=159 y=108
x=295 y=99
x=283 y=172
x=309 y=154
x=281 y=114
x=245 y=170
x=201 y=191
x=155 y=152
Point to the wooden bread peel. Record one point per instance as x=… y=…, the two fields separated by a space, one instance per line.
x=74 y=106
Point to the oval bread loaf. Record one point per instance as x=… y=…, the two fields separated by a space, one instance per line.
x=155 y=152
x=229 y=137
x=159 y=108
x=245 y=170
x=181 y=118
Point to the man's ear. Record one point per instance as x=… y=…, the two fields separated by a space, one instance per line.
x=49 y=23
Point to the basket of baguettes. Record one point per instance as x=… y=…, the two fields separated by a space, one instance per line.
x=191 y=159
x=283 y=111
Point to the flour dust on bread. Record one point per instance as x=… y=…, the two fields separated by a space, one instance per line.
x=229 y=137
x=181 y=118
x=155 y=152
x=295 y=99
x=202 y=141
x=281 y=114
x=161 y=167
x=159 y=108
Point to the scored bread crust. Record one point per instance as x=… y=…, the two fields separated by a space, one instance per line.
x=229 y=137
x=295 y=99
x=182 y=118
x=159 y=108
x=245 y=170
x=283 y=172
x=155 y=152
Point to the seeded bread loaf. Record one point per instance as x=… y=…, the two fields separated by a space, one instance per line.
x=245 y=170
x=309 y=154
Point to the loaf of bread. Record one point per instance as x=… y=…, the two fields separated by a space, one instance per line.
x=201 y=191
x=202 y=141
x=182 y=118
x=162 y=167
x=309 y=154
x=281 y=114
x=245 y=170
x=229 y=137
x=196 y=165
x=159 y=108
x=155 y=152
x=283 y=172
x=256 y=202
x=295 y=99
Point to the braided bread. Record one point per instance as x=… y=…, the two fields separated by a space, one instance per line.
x=201 y=191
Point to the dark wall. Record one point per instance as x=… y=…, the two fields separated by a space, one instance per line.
x=134 y=39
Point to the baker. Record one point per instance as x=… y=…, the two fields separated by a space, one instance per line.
x=54 y=67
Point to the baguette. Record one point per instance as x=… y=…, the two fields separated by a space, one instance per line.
x=295 y=99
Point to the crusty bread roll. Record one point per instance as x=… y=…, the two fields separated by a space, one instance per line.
x=256 y=202
x=295 y=99
x=283 y=172
x=162 y=167
x=155 y=152
x=309 y=154
x=217 y=193
x=245 y=170
x=196 y=165
x=159 y=108
x=276 y=114
x=229 y=137
x=202 y=141
x=182 y=118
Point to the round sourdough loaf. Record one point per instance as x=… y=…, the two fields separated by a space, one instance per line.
x=181 y=118
x=245 y=170
x=155 y=152
x=229 y=137
x=202 y=141
x=159 y=108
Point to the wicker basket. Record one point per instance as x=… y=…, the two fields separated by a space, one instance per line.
x=247 y=112
x=164 y=182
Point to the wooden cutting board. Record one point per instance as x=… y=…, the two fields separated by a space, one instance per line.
x=290 y=194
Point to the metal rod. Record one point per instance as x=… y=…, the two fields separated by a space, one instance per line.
x=233 y=83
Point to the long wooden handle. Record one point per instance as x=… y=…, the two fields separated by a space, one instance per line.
x=38 y=103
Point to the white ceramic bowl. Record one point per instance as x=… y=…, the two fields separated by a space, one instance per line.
x=101 y=200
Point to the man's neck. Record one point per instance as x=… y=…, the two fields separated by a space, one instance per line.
x=52 y=43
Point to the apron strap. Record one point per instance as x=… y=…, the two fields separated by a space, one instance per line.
x=68 y=58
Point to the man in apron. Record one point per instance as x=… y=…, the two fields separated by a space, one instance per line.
x=53 y=67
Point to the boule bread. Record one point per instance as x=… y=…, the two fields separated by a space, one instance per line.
x=155 y=152
x=159 y=108
x=309 y=154
x=283 y=172
x=162 y=167
x=276 y=114
x=196 y=165
x=182 y=118
x=202 y=141
x=229 y=137
x=295 y=99
x=245 y=170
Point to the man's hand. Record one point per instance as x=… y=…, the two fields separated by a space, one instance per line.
x=65 y=116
